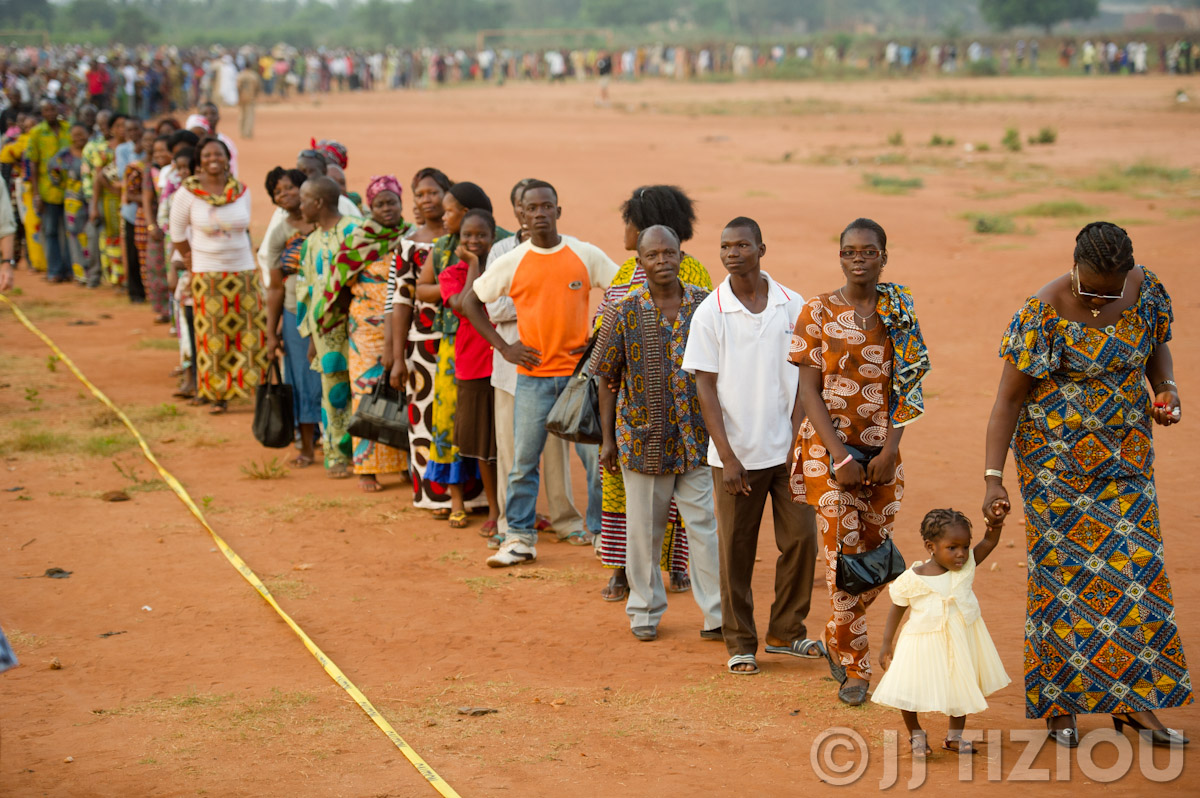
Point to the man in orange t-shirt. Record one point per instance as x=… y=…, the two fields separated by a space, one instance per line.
x=549 y=278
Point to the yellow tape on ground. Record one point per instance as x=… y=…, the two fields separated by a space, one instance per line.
x=335 y=673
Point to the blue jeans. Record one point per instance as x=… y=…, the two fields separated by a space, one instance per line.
x=534 y=398
x=306 y=383
x=58 y=264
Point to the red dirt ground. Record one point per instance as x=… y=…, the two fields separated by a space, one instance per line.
x=206 y=691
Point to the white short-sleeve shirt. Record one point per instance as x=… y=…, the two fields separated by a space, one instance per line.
x=756 y=383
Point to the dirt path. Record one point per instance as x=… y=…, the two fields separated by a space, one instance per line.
x=206 y=692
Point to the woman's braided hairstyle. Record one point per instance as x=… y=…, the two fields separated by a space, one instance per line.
x=936 y=522
x=1105 y=247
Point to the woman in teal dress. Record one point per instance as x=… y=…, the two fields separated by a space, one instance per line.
x=1100 y=631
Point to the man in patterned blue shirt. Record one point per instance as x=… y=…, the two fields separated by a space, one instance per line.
x=654 y=434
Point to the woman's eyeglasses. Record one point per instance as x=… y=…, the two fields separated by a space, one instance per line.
x=868 y=254
x=1079 y=292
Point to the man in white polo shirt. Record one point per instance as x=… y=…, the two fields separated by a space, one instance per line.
x=738 y=350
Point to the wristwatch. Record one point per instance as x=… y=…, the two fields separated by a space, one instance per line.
x=11 y=261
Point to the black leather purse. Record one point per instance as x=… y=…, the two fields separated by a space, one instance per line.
x=382 y=416
x=274 y=423
x=863 y=571
x=861 y=456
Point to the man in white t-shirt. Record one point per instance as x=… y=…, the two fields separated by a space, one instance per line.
x=738 y=348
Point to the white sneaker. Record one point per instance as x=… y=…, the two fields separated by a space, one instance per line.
x=512 y=552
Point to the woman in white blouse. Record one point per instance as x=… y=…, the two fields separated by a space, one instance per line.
x=210 y=222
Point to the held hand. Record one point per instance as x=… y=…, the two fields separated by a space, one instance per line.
x=850 y=477
x=156 y=233
x=386 y=359
x=399 y=375
x=735 y=480
x=466 y=256
x=885 y=657
x=995 y=502
x=882 y=468
x=519 y=354
x=1166 y=410
x=6 y=277
x=608 y=457
x=274 y=346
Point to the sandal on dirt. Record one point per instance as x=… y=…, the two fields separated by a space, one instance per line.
x=920 y=745
x=198 y=401
x=459 y=520
x=804 y=649
x=302 y=461
x=488 y=529
x=679 y=582
x=742 y=659
x=580 y=537
x=219 y=408
x=615 y=590
x=959 y=745
x=712 y=634
x=369 y=485
x=854 y=695
x=339 y=471
x=543 y=524
x=441 y=513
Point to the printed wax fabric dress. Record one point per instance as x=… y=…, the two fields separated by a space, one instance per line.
x=1100 y=632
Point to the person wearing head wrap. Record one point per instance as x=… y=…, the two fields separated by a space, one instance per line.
x=334 y=151
x=360 y=270
x=445 y=464
x=197 y=124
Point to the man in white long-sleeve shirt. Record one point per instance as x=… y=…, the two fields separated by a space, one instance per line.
x=564 y=517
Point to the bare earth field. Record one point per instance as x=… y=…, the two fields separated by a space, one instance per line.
x=206 y=692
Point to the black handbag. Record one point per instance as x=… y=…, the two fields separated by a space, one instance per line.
x=858 y=573
x=861 y=456
x=274 y=420
x=382 y=416
x=575 y=415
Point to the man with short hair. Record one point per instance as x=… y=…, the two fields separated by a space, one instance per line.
x=548 y=278
x=209 y=112
x=328 y=351
x=656 y=425
x=748 y=393
x=46 y=139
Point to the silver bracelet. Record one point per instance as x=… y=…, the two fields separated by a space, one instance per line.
x=1167 y=382
x=993 y=472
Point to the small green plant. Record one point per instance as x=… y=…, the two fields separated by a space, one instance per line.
x=1046 y=135
x=885 y=184
x=206 y=502
x=938 y=140
x=136 y=482
x=896 y=139
x=1011 y=140
x=994 y=224
x=983 y=146
x=31 y=396
x=272 y=470
x=1061 y=209
x=52 y=363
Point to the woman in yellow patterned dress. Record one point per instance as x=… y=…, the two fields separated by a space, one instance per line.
x=647 y=207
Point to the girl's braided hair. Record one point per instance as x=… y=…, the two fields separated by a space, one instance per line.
x=1105 y=247
x=936 y=522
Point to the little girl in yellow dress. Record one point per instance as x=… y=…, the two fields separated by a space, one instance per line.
x=945 y=660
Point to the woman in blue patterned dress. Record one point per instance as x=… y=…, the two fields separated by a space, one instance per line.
x=1100 y=632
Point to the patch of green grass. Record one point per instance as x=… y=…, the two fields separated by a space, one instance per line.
x=1183 y=213
x=1046 y=135
x=137 y=484
x=1060 y=209
x=997 y=224
x=884 y=184
x=896 y=138
x=1011 y=140
x=265 y=470
x=938 y=140
x=891 y=159
x=453 y=556
x=40 y=442
x=105 y=445
x=1142 y=173
x=983 y=146
x=163 y=344
x=966 y=98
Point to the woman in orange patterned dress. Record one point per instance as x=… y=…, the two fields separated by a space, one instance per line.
x=861 y=362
